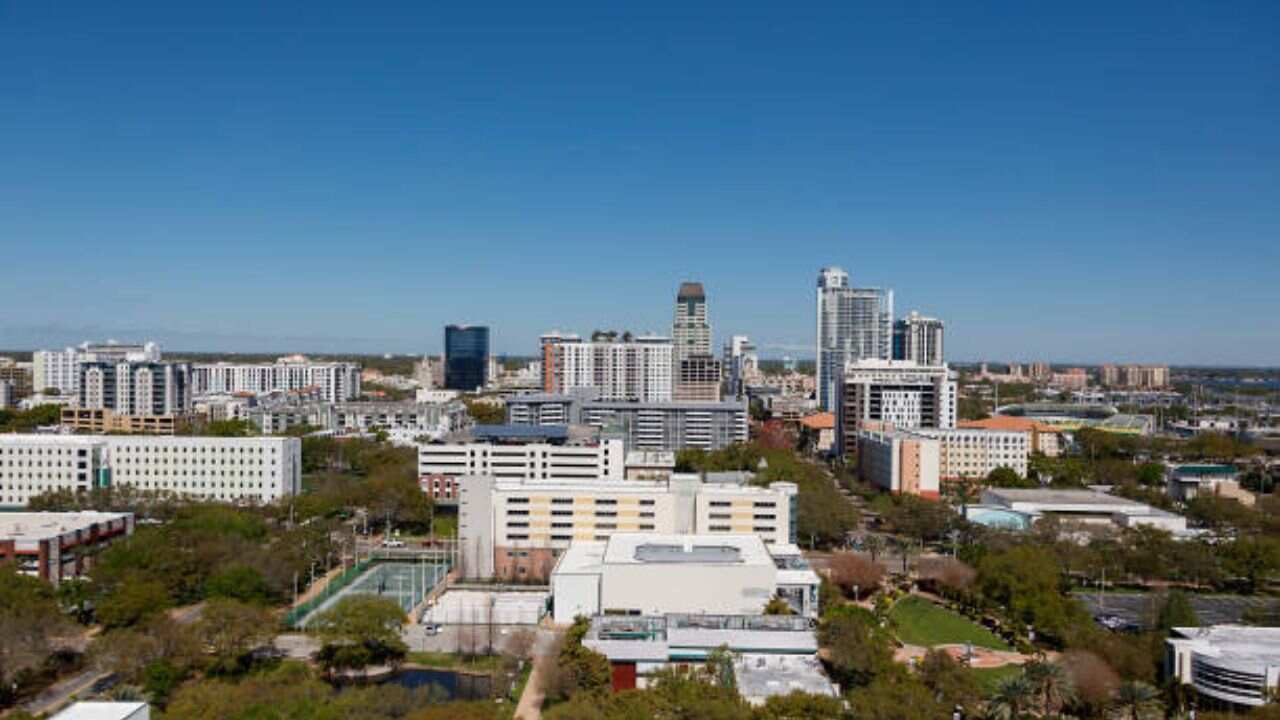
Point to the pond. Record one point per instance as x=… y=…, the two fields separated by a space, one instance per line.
x=452 y=685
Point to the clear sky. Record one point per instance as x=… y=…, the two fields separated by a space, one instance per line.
x=1071 y=181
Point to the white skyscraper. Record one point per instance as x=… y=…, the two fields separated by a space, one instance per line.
x=852 y=324
x=741 y=363
x=632 y=369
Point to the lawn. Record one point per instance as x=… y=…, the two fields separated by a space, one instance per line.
x=450 y=661
x=989 y=678
x=920 y=622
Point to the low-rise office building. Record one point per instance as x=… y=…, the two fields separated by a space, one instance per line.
x=633 y=573
x=900 y=462
x=1082 y=508
x=58 y=546
x=1185 y=482
x=1231 y=664
x=1044 y=439
x=517 y=528
x=100 y=421
x=971 y=453
x=254 y=470
x=773 y=654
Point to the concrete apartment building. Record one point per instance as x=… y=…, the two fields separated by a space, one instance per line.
x=645 y=426
x=1044 y=439
x=18 y=376
x=741 y=364
x=517 y=528
x=971 y=454
x=60 y=369
x=255 y=470
x=633 y=369
x=1137 y=377
x=852 y=324
x=919 y=339
x=101 y=421
x=899 y=393
x=633 y=573
x=135 y=387
x=336 y=381
x=8 y=396
x=698 y=373
x=441 y=466
x=58 y=546
x=699 y=379
x=900 y=462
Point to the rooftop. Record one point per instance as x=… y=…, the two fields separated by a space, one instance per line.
x=1233 y=642
x=1006 y=422
x=819 y=421
x=49 y=439
x=1202 y=470
x=762 y=676
x=45 y=525
x=102 y=711
x=520 y=432
x=691 y=291
x=657 y=549
x=1058 y=497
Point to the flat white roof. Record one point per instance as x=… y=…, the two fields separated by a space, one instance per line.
x=50 y=439
x=1047 y=497
x=45 y=525
x=101 y=711
x=656 y=549
x=584 y=557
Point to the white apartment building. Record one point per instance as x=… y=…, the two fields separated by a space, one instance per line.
x=337 y=381
x=741 y=364
x=852 y=324
x=971 y=453
x=516 y=528
x=633 y=369
x=255 y=470
x=893 y=392
x=7 y=394
x=34 y=464
x=60 y=369
x=535 y=461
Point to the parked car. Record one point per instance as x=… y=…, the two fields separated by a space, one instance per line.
x=392 y=543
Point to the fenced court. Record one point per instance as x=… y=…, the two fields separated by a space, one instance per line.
x=406 y=582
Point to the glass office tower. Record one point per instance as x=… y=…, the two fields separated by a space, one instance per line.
x=466 y=356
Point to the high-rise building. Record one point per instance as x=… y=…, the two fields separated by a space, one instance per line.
x=919 y=339
x=699 y=379
x=691 y=327
x=669 y=426
x=129 y=387
x=466 y=357
x=60 y=369
x=741 y=364
x=899 y=393
x=852 y=324
x=1142 y=377
x=637 y=369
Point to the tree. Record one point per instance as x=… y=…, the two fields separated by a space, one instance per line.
x=231 y=630
x=1052 y=683
x=1094 y=680
x=952 y=684
x=1254 y=559
x=896 y=696
x=1150 y=474
x=1176 y=611
x=1026 y=582
x=484 y=413
x=1005 y=477
x=132 y=601
x=855 y=574
x=1137 y=701
x=31 y=625
x=1012 y=698
x=239 y=582
x=778 y=606
x=361 y=630
x=800 y=706
x=857 y=651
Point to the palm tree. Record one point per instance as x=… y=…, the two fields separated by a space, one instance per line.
x=1052 y=683
x=1137 y=701
x=874 y=545
x=1013 y=697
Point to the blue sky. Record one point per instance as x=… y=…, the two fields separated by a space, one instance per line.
x=1087 y=181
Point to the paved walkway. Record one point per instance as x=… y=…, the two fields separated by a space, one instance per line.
x=530 y=705
x=982 y=657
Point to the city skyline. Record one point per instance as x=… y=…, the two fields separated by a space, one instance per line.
x=1082 y=185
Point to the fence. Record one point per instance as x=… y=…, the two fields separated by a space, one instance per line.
x=335 y=586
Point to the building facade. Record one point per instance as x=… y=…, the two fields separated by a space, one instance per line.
x=466 y=357
x=128 y=387
x=1233 y=664
x=900 y=462
x=741 y=364
x=59 y=546
x=919 y=339
x=895 y=393
x=441 y=466
x=60 y=369
x=335 y=381
x=852 y=324
x=644 y=426
x=633 y=369
x=699 y=379
x=254 y=470
x=516 y=529
x=972 y=453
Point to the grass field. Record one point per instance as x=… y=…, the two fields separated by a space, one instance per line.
x=989 y=678
x=920 y=622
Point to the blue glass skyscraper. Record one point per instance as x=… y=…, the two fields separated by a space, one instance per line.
x=466 y=356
